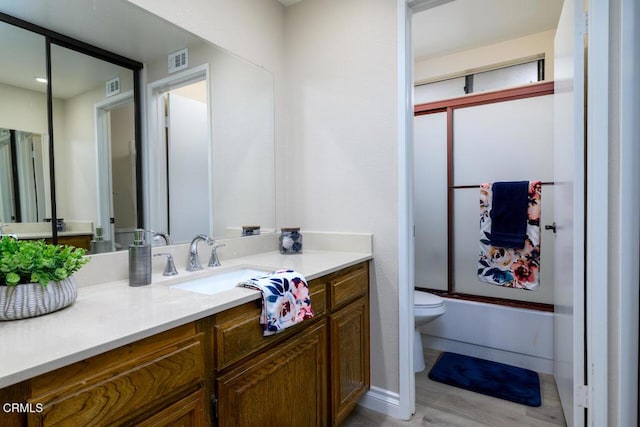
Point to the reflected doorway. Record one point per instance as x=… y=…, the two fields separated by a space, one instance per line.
x=187 y=165
x=180 y=155
x=117 y=207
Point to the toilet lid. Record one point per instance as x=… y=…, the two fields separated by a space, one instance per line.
x=425 y=299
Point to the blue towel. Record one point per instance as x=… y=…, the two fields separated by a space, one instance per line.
x=509 y=214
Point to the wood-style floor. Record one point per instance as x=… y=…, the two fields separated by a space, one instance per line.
x=439 y=404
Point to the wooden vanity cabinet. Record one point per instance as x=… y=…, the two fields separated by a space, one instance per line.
x=349 y=354
x=286 y=386
x=277 y=380
x=158 y=381
x=311 y=374
x=237 y=332
x=79 y=241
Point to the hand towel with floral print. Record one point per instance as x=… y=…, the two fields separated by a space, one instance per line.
x=285 y=299
x=509 y=267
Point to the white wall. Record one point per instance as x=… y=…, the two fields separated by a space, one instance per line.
x=498 y=53
x=251 y=29
x=23 y=109
x=75 y=159
x=342 y=143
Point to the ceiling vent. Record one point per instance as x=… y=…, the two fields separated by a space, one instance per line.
x=113 y=86
x=178 y=60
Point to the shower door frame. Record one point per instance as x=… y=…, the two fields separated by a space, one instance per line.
x=449 y=106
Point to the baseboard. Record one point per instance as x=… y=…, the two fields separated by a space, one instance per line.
x=383 y=401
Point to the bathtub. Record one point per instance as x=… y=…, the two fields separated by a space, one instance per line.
x=515 y=336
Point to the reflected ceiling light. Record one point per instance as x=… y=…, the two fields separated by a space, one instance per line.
x=40 y=79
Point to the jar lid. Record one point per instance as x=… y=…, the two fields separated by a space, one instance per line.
x=290 y=229
x=251 y=227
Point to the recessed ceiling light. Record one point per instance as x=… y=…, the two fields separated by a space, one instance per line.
x=41 y=79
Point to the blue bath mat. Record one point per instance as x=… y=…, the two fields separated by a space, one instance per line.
x=491 y=378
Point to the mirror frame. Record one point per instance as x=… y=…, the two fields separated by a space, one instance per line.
x=53 y=37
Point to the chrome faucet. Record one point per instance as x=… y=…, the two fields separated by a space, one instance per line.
x=193 y=263
x=157 y=235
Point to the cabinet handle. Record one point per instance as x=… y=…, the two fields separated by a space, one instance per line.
x=214 y=406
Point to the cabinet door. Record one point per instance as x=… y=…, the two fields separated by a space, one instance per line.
x=187 y=412
x=285 y=386
x=349 y=357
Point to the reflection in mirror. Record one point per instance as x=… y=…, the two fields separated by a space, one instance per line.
x=187 y=165
x=240 y=164
x=22 y=180
x=94 y=144
x=24 y=154
x=229 y=181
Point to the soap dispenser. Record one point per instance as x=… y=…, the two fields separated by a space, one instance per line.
x=98 y=244
x=139 y=260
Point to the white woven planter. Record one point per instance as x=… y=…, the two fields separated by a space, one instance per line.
x=31 y=299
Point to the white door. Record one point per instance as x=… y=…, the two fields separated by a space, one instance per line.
x=188 y=168
x=123 y=173
x=569 y=146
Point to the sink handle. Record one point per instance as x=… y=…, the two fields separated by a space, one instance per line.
x=214 y=261
x=170 y=268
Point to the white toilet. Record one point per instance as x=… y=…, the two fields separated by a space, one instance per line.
x=426 y=307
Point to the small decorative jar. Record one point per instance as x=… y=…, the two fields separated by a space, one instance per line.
x=290 y=240
x=250 y=230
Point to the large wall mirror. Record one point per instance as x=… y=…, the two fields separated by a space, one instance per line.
x=207 y=168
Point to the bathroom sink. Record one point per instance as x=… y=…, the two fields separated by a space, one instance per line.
x=221 y=280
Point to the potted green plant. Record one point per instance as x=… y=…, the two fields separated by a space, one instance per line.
x=36 y=278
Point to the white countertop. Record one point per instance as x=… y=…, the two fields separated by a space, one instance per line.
x=108 y=315
x=47 y=235
x=42 y=230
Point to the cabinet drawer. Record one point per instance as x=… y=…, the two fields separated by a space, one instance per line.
x=118 y=385
x=238 y=332
x=187 y=412
x=348 y=285
x=80 y=241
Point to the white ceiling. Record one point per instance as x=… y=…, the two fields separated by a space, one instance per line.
x=459 y=25
x=123 y=28
x=466 y=24
x=113 y=25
